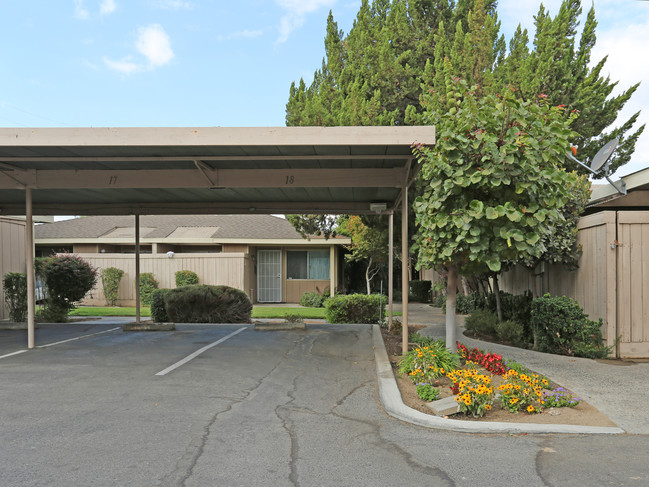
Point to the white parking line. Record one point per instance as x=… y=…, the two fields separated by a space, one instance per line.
x=12 y=354
x=198 y=352
x=78 y=338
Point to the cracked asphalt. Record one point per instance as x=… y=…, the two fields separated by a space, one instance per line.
x=293 y=408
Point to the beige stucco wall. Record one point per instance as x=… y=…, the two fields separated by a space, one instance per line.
x=12 y=253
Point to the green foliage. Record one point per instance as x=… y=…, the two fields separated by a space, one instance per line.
x=511 y=331
x=110 y=278
x=514 y=307
x=158 y=307
x=68 y=279
x=426 y=392
x=354 y=308
x=294 y=318
x=482 y=322
x=562 y=327
x=200 y=303
x=312 y=300
x=439 y=301
x=148 y=284
x=420 y=291
x=185 y=278
x=314 y=225
x=493 y=183
x=560 y=398
x=428 y=361
x=15 y=290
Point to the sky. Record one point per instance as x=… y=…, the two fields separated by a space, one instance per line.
x=130 y=63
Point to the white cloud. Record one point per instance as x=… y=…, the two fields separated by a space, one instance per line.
x=125 y=65
x=154 y=43
x=107 y=7
x=172 y=4
x=295 y=14
x=80 y=11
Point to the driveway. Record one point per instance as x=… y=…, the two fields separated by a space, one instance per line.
x=238 y=407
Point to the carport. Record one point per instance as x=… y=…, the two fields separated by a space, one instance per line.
x=208 y=170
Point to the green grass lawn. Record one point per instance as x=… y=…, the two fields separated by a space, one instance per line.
x=257 y=311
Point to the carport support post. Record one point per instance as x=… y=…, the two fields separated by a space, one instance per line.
x=404 y=270
x=137 y=268
x=29 y=264
x=390 y=267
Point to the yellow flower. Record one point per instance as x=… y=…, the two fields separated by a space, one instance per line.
x=530 y=409
x=513 y=400
x=487 y=407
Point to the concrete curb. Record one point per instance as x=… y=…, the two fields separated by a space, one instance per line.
x=394 y=406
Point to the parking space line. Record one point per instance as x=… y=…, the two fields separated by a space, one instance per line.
x=12 y=354
x=198 y=352
x=78 y=338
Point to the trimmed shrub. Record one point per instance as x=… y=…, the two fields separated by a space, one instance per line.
x=158 y=307
x=464 y=303
x=15 y=288
x=439 y=301
x=482 y=322
x=562 y=327
x=312 y=300
x=148 y=284
x=110 y=279
x=355 y=308
x=186 y=278
x=68 y=279
x=421 y=291
x=514 y=307
x=511 y=331
x=200 y=303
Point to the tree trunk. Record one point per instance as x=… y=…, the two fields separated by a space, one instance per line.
x=465 y=285
x=499 y=309
x=367 y=276
x=451 y=294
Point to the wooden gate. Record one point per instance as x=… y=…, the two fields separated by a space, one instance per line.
x=633 y=283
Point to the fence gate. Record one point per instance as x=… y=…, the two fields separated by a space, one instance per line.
x=633 y=283
x=269 y=276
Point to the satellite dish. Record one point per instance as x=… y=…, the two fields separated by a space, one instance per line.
x=603 y=155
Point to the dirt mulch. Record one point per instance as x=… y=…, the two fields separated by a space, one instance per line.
x=583 y=414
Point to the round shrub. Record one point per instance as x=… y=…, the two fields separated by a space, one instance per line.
x=201 y=303
x=15 y=289
x=312 y=300
x=110 y=278
x=148 y=284
x=482 y=322
x=420 y=291
x=511 y=331
x=186 y=278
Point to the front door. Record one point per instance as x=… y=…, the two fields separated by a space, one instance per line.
x=269 y=276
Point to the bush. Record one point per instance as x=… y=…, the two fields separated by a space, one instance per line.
x=68 y=279
x=110 y=279
x=427 y=362
x=200 y=303
x=420 y=291
x=562 y=327
x=15 y=289
x=158 y=307
x=482 y=322
x=355 y=308
x=464 y=303
x=186 y=278
x=312 y=300
x=428 y=393
x=148 y=284
x=439 y=301
x=514 y=307
x=511 y=331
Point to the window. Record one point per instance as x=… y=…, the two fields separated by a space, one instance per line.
x=307 y=264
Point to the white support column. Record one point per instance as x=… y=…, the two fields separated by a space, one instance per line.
x=404 y=270
x=390 y=268
x=29 y=264
x=137 y=268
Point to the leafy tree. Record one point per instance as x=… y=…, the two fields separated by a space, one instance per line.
x=314 y=225
x=494 y=183
x=369 y=243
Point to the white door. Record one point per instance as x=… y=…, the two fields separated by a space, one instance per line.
x=269 y=276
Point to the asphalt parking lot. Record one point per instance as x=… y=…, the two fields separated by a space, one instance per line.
x=224 y=405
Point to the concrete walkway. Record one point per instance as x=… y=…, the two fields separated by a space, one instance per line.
x=617 y=388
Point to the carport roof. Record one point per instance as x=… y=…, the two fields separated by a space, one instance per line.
x=206 y=170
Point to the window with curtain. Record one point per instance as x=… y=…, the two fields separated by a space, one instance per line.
x=307 y=264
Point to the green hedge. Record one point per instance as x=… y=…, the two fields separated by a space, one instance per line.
x=148 y=284
x=15 y=289
x=158 y=307
x=355 y=308
x=110 y=278
x=200 y=303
